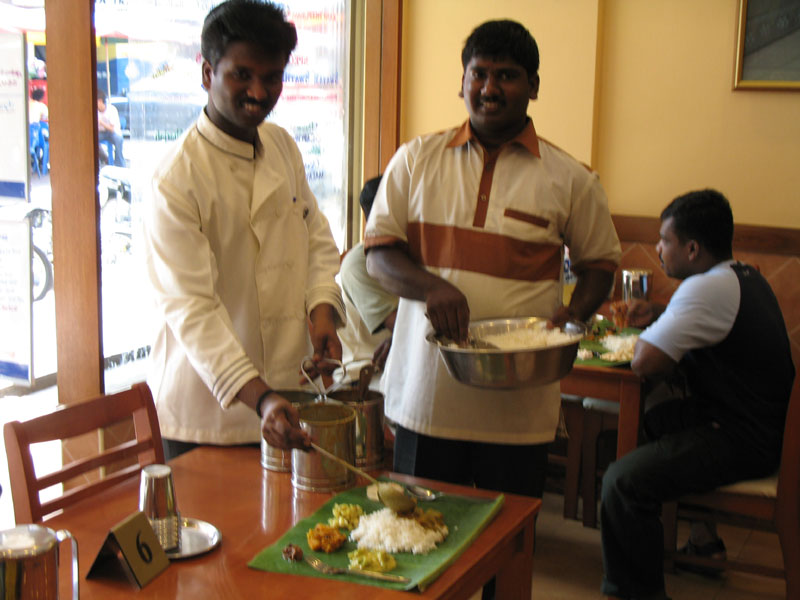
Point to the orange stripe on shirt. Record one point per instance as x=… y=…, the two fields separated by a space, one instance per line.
x=481 y=252
x=601 y=265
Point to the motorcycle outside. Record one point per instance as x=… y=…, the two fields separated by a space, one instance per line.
x=41 y=224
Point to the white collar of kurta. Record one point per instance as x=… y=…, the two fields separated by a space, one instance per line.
x=225 y=142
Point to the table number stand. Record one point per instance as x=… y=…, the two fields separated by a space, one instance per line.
x=131 y=547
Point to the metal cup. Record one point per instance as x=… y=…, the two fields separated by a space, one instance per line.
x=157 y=502
x=369 y=424
x=276 y=459
x=636 y=283
x=29 y=563
x=333 y=426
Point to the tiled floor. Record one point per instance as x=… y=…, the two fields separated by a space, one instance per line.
x=568 y=566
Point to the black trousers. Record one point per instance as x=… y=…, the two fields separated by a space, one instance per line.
x=515 y=469
x=505 y=468
x=173 y=448
x=688 y=453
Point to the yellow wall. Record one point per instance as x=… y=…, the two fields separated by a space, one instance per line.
x=667 y=119
x=434 y=32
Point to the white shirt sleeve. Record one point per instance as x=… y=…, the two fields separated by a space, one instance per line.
x=389 y=215
x=112 y=115
x=700 y=313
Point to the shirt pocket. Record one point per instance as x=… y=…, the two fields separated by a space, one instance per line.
x=526 y=226
x=525 y=217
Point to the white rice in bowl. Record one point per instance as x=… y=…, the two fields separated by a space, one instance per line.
x=538 y=337
x=384 y=530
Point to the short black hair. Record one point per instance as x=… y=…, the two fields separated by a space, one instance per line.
x=367 y=196
x=255 y=21
x=102 y=94
x=503 y=39
x=706 y=217
x=37 y=94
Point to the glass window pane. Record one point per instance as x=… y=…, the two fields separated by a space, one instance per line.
x=313 y=106
x=25 y=194
x=149 y=65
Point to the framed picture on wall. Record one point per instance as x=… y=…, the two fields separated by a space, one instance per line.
x=768 y=45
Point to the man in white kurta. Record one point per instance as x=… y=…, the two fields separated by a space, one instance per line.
x=238 y=252
x=239 y=255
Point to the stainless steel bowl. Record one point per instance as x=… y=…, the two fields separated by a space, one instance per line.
x=509 y=369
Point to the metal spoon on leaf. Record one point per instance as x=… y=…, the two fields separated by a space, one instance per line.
x=388 y=494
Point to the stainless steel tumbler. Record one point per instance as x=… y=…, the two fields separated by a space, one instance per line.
x=636 y=283
x=157 y=502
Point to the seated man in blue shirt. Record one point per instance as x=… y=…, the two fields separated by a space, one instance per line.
x=724 y=332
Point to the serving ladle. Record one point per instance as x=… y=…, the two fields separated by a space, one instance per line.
x=388 y=494
x=423 y=493
x=307 y=365
x=426 y=495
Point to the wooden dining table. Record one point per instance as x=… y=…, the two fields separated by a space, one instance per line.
x=618 y=384
x=252 y=507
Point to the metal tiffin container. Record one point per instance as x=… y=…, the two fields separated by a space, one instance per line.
x=276 y=459
x=333 y=427
x=368 y=405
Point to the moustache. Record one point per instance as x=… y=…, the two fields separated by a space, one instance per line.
x=262 y=104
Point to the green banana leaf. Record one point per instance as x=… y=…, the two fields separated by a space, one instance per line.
x=465 y=518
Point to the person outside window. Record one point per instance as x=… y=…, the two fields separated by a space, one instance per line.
x=37 y=110
x=109 y=128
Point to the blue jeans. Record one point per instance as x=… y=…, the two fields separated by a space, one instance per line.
x=116 y=140
x=689 y=454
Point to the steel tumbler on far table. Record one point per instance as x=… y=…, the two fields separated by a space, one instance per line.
x=636 y=284
x=157 y=502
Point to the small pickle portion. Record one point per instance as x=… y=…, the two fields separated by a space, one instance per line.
x=292 y=553
x=346 y=516
x=325 y=538
x=371 y=560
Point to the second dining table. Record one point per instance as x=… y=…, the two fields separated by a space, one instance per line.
x=253 y=507
x=618 y=384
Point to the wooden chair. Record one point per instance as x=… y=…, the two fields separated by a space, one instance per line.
x=72 y=420
x=599 y=417
x=572 y=411
x=769 y=504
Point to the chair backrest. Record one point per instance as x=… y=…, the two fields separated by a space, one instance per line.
x=788 y=496
x=73 y=420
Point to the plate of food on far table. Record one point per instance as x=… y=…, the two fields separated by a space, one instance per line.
x=609 y=342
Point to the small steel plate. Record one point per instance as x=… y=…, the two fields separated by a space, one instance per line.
x=197 y=537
